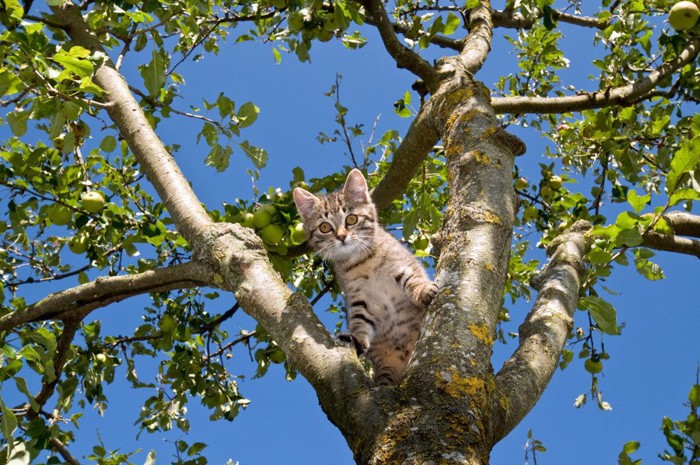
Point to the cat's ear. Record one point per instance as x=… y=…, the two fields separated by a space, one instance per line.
x=355 y=190
x=305 y=202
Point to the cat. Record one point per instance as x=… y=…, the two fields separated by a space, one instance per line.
x=386 y=289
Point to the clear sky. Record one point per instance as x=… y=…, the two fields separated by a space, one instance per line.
x=653 y=362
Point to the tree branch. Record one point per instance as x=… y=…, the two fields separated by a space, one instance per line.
x=478 y=43
x=624 y=95
x=515 y=20
x=404 y=57
x=345 y=391
x=684 y=224
x=669 y=243
x=526 y=374
x=414 y=148
x=80 y=300
x=159 y=166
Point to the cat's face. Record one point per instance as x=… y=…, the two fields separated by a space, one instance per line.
x=342 y=224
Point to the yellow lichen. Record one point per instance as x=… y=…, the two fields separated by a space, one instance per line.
x=460 y=386
x=481 y=157
x=489 y=132
x=491 y=217
x=488 y=266
x=482 y=333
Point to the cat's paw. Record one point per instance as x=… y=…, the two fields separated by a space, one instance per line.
x=426 y=292
x=361 y=343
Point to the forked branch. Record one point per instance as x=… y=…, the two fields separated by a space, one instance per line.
x=526 y=374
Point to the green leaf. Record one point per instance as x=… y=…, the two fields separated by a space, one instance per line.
x=630 y=447
x=694 y=396
x=637 y=202
x=685 y=160
x=75 y=60
x=21 y=384
x=453 y=22
x=9 y=83
x=647 y=268
x=257 y=155
x=603 y=313
x=14 y=9
x=599 y=257
x=219 y=157
x=18 y=122
x=247 y=115
x=8 y=423
x=681 y=195
x=108 y=144
x=153 y=73
x=629 y=237
x=278 y=56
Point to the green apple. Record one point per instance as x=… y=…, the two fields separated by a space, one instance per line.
x=272 y=233
x=546 y=191
x=276 y=355
x=78 y=244
x=530 y=213
x=92 y=201
x=263 y=216
x=247 y=220
x=167 y=324
x=59 y=215
x=295 y=21
x=593 y=365
x=683 y=15
x=520 y=183
x=324 y=35
x=298 y=234
x=555 y=182
x=422 y=242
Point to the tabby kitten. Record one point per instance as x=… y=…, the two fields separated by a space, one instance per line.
x=386 y=289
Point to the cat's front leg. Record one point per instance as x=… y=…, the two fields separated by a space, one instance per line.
x=419 y=289
x=361 y=325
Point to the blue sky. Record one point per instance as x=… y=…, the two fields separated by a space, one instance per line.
x=653 y=363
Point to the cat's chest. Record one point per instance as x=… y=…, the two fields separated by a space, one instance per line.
x=375 y=281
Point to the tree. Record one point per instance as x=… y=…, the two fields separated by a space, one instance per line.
x=92 y=193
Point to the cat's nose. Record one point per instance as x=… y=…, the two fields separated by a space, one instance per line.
x=341 y=234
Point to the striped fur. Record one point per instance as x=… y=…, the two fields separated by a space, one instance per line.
x=386 y=289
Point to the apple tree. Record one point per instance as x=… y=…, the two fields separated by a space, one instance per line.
x=96 y=210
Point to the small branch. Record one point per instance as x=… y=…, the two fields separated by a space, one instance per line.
x=62 y=348
x=404 y=57
x=78 y=301
x=514 y=20
x=625 y=95
x=524 y=376
x=61 y=449
x=440 y=41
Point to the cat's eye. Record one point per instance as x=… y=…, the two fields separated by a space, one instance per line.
x=325 y=228
x=351 y=219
